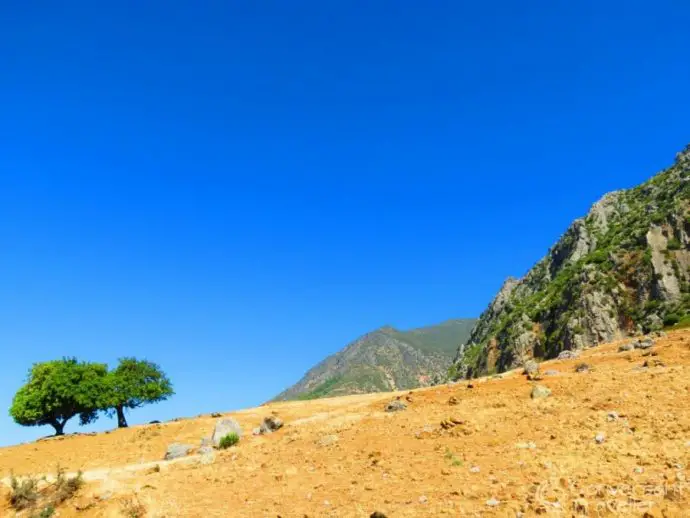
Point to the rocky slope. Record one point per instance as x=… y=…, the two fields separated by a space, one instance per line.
x=621 y=270
x=385 y=359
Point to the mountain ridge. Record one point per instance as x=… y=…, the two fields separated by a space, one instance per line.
x=620 y=270
x=384 y=359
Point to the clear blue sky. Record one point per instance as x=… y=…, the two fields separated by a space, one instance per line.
x=237 y=189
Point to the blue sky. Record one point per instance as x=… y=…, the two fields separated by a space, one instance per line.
x=237 y=189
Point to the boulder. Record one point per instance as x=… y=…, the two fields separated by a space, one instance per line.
x=540 y=392
x=395 y=406
x=270 y=424
x=224 y=427
x=646 y=343
x=177 y=450
x=531 y=368
x=568 y=355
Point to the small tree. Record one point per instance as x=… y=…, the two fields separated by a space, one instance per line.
x=135 y=383
x=58 y=390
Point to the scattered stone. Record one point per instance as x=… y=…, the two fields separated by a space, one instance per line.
x=647 y=343
x=531 y=368
x=177 y=450
x=423 y=499
x=526 y=445
x=395 y=406
x=328 y=440
x=600 y=438
x=581 y=506
x=453 y=400
x=568 y=355
x=582 y=368
x=451 y=422
x=653 y=362
x=551 y=372
x=475 y=469
x=540 y=392
x=470 y=386
x=493 y=502
x=626 y=347
x=270 y=424
x=225 y=427
x=612 y=416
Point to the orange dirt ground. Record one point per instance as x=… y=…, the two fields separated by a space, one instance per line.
x=347 y=457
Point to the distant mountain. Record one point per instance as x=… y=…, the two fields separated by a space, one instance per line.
x=621 y=270
x=385 y=359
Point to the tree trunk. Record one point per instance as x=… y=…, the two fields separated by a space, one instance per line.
x=59 y=427
x=121 y=421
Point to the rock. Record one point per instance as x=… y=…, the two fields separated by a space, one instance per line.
x=256 y=431
x=582 y=368
x=225 y=427
x=423 y=499
x=531 y=368
x=626 y=347
x=377 y=514
x=568 y=355
x=328 y=440
x=581 y=506
x=395 y=406
x=653 y=362
x=647 y=343
x=216 y=414
x=551 y=372
x=270 y=424
x=177 y=450
x=493 y=502
x=612 y=416
x=206 y=441
x=600 y=438
x=475 y=469
x=453 y=400
x=540 y=392
x=526 y=445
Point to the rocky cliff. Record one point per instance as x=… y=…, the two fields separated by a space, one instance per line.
x=621 y=270
x=385 y=359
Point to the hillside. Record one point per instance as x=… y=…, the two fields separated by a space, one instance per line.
x=347 y=457
x=383 y=360
x=621 y=270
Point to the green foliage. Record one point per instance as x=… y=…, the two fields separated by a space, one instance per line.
x=47 y=512
x=135 y=383
x=23 y=493
x=65 y=487
x=58 y=390
x=673 y=244
x=228 y=441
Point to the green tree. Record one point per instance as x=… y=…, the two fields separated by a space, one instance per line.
x=58 y=390
x=135 y=383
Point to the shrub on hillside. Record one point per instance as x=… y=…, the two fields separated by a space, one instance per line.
x=228 y=441
x=23 y=493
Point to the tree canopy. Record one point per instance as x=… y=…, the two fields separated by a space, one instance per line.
x=135 y=383
x=58 y=390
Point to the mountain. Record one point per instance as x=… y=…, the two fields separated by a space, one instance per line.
x=621 y=270
x=385 y=359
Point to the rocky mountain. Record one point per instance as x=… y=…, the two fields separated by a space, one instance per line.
x=621 y=270
x=385 y=359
